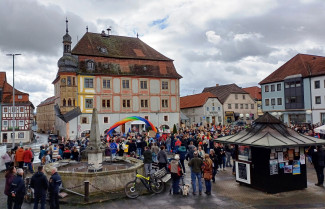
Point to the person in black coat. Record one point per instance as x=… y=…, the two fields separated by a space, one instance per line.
x=18 y=189
x=54 y=189
x=40 y=185
x=318 y=159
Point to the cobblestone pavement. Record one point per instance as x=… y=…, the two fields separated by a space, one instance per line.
x=226 y=193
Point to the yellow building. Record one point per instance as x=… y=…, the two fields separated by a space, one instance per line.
x=45 y=116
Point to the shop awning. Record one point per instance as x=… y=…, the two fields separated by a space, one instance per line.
x=183 y=116
x=268 y=131
x=320 y=129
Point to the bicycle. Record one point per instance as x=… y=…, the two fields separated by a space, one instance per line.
x=134 y=188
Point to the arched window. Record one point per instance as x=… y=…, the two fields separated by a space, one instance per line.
x=69 y=102
x=64 y=102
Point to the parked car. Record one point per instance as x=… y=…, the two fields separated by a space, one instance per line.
x=53 y=138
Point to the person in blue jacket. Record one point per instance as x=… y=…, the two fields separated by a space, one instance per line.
x=18 y=189
x=54 y=189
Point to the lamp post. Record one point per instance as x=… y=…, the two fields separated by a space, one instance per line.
x=13 y=98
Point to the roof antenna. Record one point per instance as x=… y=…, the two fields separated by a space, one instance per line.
x=87 y=29
x=66 y=25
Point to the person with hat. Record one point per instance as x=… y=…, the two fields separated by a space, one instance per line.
x=196 y=165
x=176 y=173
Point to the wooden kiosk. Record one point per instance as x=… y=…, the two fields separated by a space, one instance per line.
x=270 y=156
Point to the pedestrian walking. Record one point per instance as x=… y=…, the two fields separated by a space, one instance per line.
x=175 y=169
x=7 y=159
x=147 y=160
x=20 y=157
x=196 y=165
x=318 y=159
x=10 y=175
x=207 y=173
x=28 y=155
x=18 y=189
x=154 y=151
x=40 y=185
x=162 y=158
x=54 y=184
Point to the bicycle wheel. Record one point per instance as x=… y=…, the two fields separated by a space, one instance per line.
x=132 y=189
x=157 y=185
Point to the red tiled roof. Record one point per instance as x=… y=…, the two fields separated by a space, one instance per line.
x=254 y=91
x=7 y=91
x=94 y=44
x=304 y=64
x=47 y=101
x=196 y=100
x=222 y=92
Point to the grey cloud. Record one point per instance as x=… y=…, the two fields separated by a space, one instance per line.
x=27 y=26
x=235 y=70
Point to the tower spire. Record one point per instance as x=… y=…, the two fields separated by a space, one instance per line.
x=66 y=25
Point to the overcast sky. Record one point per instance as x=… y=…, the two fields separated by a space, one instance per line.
x=210 y=41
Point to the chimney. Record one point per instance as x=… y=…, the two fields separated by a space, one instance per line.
x=217 y=85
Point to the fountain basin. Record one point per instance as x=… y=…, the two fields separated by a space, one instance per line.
x=112 y=178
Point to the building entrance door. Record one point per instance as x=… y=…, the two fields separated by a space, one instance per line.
x=4 y=137
x=213 y=120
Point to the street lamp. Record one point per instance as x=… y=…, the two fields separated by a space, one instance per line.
x=13 y=97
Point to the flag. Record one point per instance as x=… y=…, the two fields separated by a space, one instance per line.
x=107 y=138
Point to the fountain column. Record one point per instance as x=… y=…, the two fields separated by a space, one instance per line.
x=94 y=148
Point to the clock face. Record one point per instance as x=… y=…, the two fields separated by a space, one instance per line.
x=63 y=80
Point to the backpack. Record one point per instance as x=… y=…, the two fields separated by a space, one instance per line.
x=43 y=161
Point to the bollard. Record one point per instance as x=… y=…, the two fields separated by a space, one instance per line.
x=86 y=191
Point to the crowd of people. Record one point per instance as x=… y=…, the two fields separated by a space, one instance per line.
x=15 y=188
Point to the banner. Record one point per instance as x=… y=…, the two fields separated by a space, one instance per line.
x=3 y=150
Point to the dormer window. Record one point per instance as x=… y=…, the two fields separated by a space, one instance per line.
x=90 y=65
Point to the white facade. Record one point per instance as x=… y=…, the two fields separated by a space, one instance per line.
x=318 y=99
x=210 y=112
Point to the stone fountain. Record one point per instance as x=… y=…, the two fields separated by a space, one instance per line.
x=102 y=174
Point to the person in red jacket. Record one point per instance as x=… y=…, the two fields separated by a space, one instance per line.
x=28 y=155
x=20 y=157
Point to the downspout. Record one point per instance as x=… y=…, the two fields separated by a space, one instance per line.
x=311 y=101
